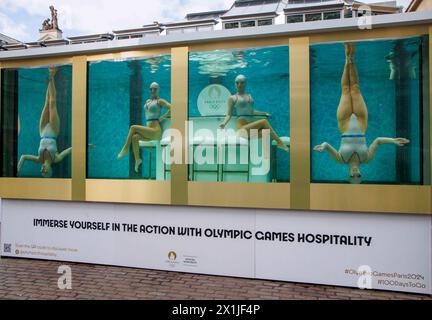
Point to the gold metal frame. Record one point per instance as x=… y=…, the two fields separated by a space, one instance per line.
x=373 y=198
x=79 y=127
x=299 y=194
x=126 y=191
x=36 y=188
x=300 y=122
x=231 y=194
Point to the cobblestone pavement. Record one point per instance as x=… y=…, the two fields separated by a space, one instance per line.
x=36 y=279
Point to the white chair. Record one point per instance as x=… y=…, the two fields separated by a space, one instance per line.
x=236 y=141
x=149 y=145
x=165 y=143
x=205 y=141
x=220 y=148
x=157 y=145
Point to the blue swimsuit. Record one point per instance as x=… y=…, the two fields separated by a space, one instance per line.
x=152 y=111
x=353 y=140
x=48 y=142
x=244 y=108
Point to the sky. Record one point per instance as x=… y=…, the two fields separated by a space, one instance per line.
x=21 y=19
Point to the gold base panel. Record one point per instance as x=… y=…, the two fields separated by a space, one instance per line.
x=35 y=188
x=128 y=191
x=240 y=195
x=371 y=198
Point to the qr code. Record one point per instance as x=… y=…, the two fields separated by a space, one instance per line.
x=7 y=248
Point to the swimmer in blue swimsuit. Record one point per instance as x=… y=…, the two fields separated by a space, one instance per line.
x=153 y=131
x=242 y=103
x=352 y=116
x=49 y=127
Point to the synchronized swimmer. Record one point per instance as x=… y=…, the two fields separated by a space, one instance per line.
x=352 y=117
x=243 y=103
x=153 y=131
x=49 y=128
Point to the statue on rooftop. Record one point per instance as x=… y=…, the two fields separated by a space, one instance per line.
x=51 y=24
x=54 y=18
x=46 y=25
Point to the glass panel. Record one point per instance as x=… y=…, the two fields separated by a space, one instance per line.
x=332 y=15
x=254 y=85
x=295 y=18
x=313 y=17
x=231 y=25
x=36 y=122
x=266 y=22
x=348 y=13
x=374 y=121
x=247 y=24
x=126 y=101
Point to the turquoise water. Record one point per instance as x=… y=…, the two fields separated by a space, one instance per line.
x=113 y=87
x=267 y=71
x=394 y=106
x=32 y=85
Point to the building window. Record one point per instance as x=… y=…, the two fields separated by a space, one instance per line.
x=313 y=17
x=231 y=25
x=247 y=24
x=332 y=15
x=295 y=18
x=265 y=22
x=348 y=14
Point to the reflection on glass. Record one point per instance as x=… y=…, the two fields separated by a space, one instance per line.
x=294 y=18
x=332 y=15
x=239 y=115
x=377 y=116
x=313 y=17
x=128 y=114
x=36 y=122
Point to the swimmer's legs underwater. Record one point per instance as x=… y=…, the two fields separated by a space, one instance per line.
x=49 y=112
x=351 y=101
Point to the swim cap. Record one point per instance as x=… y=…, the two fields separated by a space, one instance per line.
x=240 y=77
x=154 y=84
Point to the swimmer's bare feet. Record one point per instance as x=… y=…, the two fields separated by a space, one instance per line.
x=349 y=50
x=137 y=164
x=121 y=154
x=52 y=72
x=353 y=48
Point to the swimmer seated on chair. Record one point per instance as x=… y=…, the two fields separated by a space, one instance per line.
x=153 y=130
x=49 y=128
x=243 y=103
x=352 y=116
